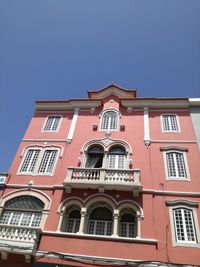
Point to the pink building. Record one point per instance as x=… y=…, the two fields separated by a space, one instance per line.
x=111 y=180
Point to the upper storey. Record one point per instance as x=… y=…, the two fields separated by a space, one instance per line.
x=117 y=127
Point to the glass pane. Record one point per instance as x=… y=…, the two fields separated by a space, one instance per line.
x=25 y=203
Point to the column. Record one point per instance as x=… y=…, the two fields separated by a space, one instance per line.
x=115 y=223
x=82 y=221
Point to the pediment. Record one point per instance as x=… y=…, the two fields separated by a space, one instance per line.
x=112 y=89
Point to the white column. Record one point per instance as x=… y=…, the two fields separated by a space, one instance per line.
x=115 y=223
x=72 y=126
x=146 y=127
x=82 y=221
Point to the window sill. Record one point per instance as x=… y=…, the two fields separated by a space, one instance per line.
x=114 y=238
x=183 y=179
x=186 y=244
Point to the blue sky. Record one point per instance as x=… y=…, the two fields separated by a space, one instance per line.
x=58 y=49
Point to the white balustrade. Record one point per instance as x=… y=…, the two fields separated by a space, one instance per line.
x=108 y=178
x=18 y=233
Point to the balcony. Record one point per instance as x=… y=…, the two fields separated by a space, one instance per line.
x=18 y=240
x=103 y=179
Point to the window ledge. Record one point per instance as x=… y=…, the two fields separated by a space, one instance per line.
x=186 y=244
x=115 y=238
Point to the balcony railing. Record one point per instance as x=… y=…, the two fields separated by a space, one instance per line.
x=125 y=180
x=18 y=239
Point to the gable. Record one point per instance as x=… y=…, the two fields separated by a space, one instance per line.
x=112 y=89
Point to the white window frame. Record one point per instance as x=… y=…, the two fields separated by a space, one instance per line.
x=21 y=217
x=39 y=161
x=177 y=178
x=116 y=161
x=102 y=119
x=58 y=125
x=185 y=243
x=178 y=130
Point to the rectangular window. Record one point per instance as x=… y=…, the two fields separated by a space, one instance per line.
x=30 y=219
x=52 y=124
x=47 y=162
x=184 y=225
x=176 y=165
x=170 y=123
x=30 y=161
x=39 y=161
x=116 y=161
x=127 y=229
x=97 y=227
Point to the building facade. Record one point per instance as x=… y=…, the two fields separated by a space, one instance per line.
x=111 y=180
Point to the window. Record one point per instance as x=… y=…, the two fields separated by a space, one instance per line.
x=184 y=225
x=184 y=222
x=73 y=221
x=170 y=123
x=100 y=221
x=47 y=162
x=22 y=211
x=116 y=158
x=40 y=161
x=128 y=225
x=95 y=157
x=52 y=124
x=175 y=162
x=176 y=165
x=30 y=161
x=109 y=120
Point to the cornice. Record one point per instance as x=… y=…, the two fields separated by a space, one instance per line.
x=67 y=105
x=156 y=103
x=194 y=102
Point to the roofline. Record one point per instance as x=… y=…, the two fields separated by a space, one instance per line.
x=112 y=85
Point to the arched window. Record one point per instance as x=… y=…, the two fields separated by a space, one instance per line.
x=100 y=221
x=116 y=158
x=128 y=224
x=73 y=221
x=95 y=157
x=109 y=120
x=22 y=211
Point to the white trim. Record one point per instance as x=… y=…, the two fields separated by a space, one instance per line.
x=175 y=141
x=146 y=126
x=58 y=126
x=39 y=159
x=23 y=192
x=177 y=123
x=43 y=140
x=166 y=167
x=117 y=120
x=72 y=126
x=176 y=243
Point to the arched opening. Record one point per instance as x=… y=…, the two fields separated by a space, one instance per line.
x=22 y=211
x=95 y=156
x=100 y=221
x=128 y=226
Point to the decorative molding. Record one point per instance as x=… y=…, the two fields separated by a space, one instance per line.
x=176 y=148
x=182 y=202
x=175 y=141
x=43 y=140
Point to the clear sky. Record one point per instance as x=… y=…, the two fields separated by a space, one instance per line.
x=58 y=49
